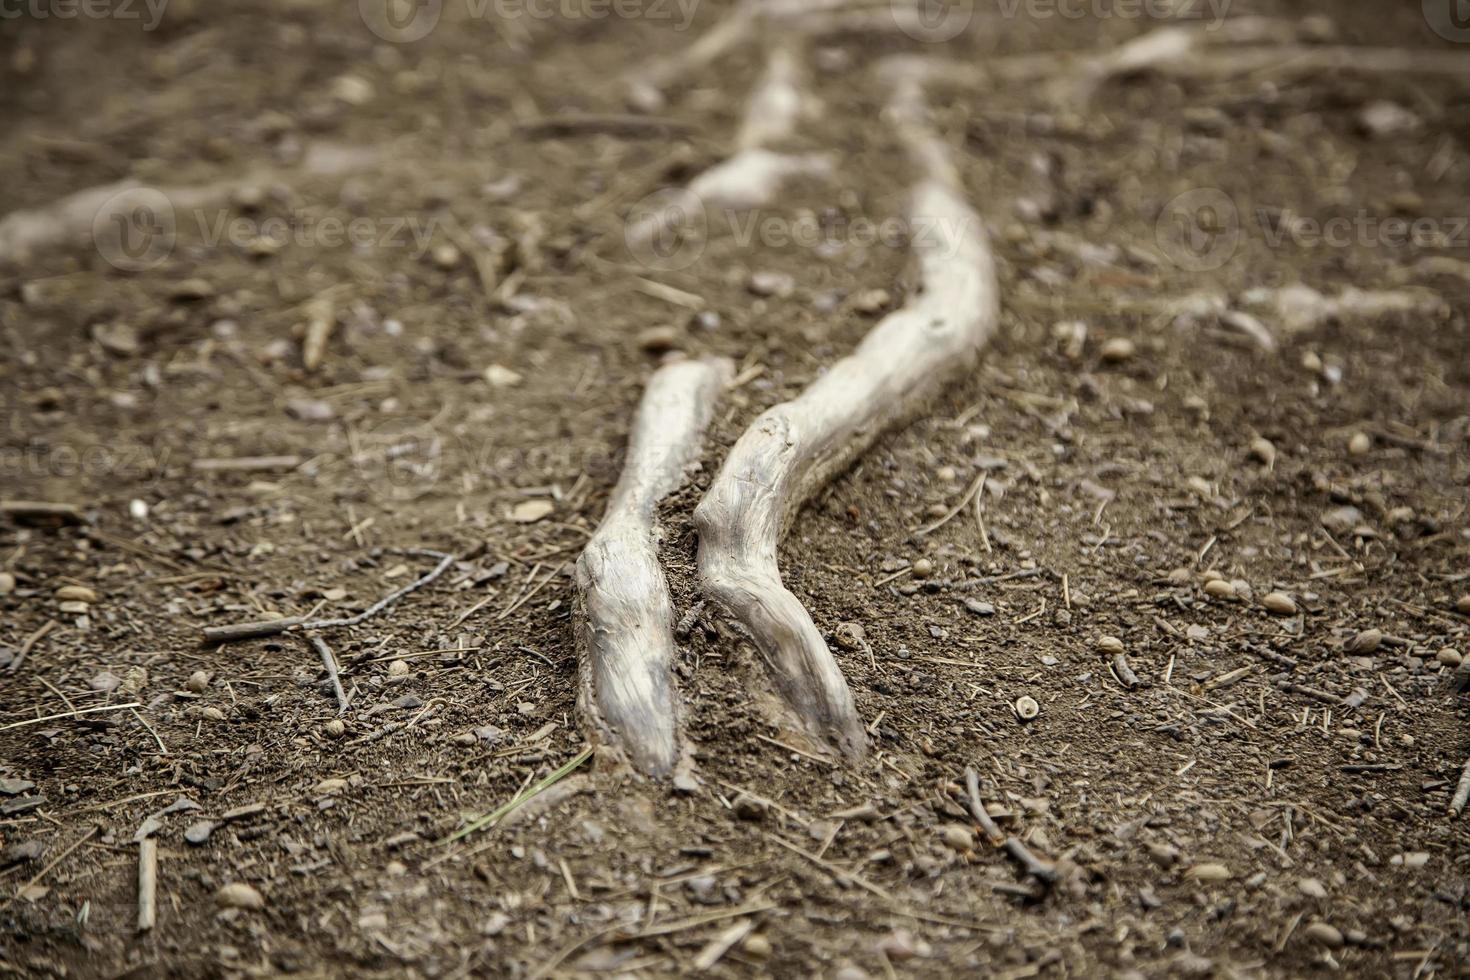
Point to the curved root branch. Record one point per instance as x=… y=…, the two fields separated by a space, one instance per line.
x=794 y=448
x=624 y=618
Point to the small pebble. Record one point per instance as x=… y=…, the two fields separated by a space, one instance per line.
x=197 y=682
x=7 y=583
x=922 y=568
x=334 y=728
x=1218 y=588
x=659 y=340
x=1026 y=707
x=74 y=608
x=75 y=593
x=1109 y=645
x=756 y=945
x=1279 y=603
x=397 y=668
x=850 y=636
x=500 y=376
x=238 y=895
x=779 y=284
x=1366 y=641
x=1208 y=873
x=1462 y=605
x=1449 y=657
x=1263 y=451
x=1117 y=350
x=1312 y=888
x=980 y=608
x=531 y=511
x=198 y=833
x=958 y=837
x=1359 y=444
x=947 y=473
x=446 y=256
x=1324 y=934
x=1164 y=855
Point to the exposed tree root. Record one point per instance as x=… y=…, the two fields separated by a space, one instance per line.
x=754 y=174
x=1240 y=46
x=796 y=447
x=624 y=618
x=75 y=216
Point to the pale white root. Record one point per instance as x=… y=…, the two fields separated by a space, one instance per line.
x=796 y=447
x=1299 y=308
x=1239 y=46
x=754 y=174
x=72 y=218
x=624 y=618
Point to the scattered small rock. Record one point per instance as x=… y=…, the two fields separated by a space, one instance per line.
x=531 y=511
x=1462 y=605
x=1208 y=873
x=1109 y=645
x=500 y=376
x=1312 y=888
x=1449 y=657
x=1364 y=642
x=766 y=283
x=1262 y=451
x=1341 y=520
x=1219 y=588
x=198 y=833
x=1279 y=603
x=980 y=608
x=445 y=255
x=660 y=340
x=1026 y=707
x=7 y=583
x=397 y=668
x=957 y=836
x=75 y=593
x=1359 y=444
x=850 y=636
x=334 y=728
x=1117 y=350
x=238 y=895
x=197 y=682
x=1324 y=934
x=922 y=568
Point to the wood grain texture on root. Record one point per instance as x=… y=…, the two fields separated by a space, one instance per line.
x=796 y=447
x=624 y=618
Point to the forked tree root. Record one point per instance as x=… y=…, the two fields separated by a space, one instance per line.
x=796 y=447
x=625 y=622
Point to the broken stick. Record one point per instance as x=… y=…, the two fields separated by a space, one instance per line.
x=147 y=883
x=796 y=447
x=273 y=627
x=1043 y=871
x=623 y=614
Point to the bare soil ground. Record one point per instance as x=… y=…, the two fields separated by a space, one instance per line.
x=1313 y=769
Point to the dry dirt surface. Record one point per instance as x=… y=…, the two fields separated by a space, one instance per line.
x=1222 y=783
